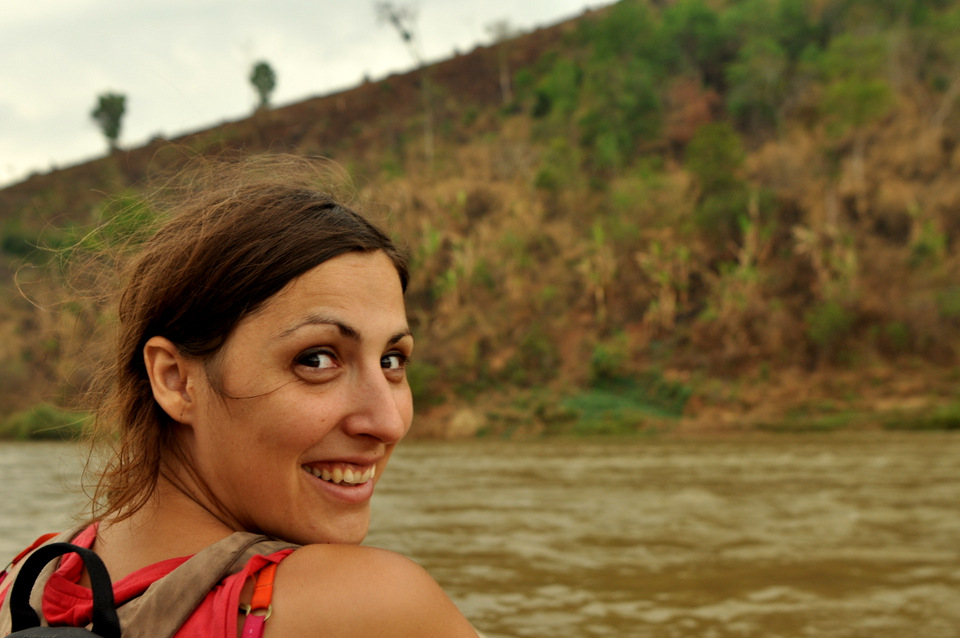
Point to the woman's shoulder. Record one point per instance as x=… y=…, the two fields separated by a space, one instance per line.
x=358 y=590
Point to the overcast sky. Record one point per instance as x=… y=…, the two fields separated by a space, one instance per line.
x=184 y=64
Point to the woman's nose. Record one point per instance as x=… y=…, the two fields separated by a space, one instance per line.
x=380 y=408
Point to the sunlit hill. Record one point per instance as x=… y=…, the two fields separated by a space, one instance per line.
x=661 y=217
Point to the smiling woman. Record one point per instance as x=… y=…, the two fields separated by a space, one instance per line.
x=258 y=393
x=292 y=421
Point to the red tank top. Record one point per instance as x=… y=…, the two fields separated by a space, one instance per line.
x=67 y=603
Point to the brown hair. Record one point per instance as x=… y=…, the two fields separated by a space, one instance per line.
x=241 y=232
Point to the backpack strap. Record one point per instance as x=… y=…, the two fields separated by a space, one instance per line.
x=167 y=603
x=260 y=608
x=25 y=617
x=37 y=595
x=160 y=610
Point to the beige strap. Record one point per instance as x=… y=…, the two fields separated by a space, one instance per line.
x=160 y=610
x=168 y=602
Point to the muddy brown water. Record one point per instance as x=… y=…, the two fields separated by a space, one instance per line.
x=825 y=535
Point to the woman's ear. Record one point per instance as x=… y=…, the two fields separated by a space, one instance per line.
x=172 y=378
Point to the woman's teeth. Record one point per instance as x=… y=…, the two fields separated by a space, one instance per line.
x=343 y=477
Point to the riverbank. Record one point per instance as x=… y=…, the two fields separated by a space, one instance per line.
x=881 y=398
x=665 y=404
x=43 y=422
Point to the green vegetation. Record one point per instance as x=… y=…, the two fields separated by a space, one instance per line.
x=945 y=417
x=264 y=81
x=626 y=406
x=603 y=413
x=42 y=421
x=671 y=209
x=108 y=114
x=810 y=423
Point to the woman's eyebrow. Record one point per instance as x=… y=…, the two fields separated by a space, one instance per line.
x=345 y=330
x=322 y=320
x=399 y=337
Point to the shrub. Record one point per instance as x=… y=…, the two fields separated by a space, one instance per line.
x=15 y=242
x=557 y=93
x=828 y=324
x=948 y=303
x=648 y=391
x=43 y=421
x=720 y=215
x=535 y=361
x=758 y=80
x=422 y=377
x=558 y=168
x=624 y=405
x=714 y=157
x=608 y=361
x=945 y=417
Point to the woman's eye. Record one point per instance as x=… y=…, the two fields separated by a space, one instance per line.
x=394 y=361
x=316 y=359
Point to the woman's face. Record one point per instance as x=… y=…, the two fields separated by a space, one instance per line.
x=309 y=399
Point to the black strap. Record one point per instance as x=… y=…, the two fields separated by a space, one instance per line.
x=23 y=616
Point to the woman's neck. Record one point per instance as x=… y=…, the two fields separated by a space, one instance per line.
x=172 y=524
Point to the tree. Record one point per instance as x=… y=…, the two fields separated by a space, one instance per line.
x=856 y=96
x=757 y=81
x=715 y=157
x=108 y=115
x=621 y=110
x=264 y=81
x=945 y=62
x=402 y=18
x=501 y=32
x=694 y=29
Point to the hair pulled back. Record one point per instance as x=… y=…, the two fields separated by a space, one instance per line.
x=241 y=232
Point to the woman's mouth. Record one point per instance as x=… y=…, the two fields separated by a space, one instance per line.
x=346 y=477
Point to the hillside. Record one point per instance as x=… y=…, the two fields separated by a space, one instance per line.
x=686 y=216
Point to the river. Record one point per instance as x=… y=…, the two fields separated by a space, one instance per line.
x=842 y=535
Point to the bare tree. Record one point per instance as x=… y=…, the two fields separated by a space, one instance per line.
x=501 y=31
x=403 y=18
